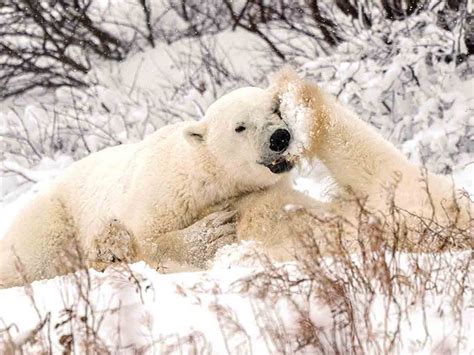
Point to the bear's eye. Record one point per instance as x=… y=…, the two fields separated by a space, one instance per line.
x=240 y=129
x=276 y=111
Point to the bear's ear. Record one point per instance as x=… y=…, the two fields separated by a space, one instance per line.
x=196 y=133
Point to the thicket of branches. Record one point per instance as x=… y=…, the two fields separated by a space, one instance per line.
x=50 y=44
x=53 y=43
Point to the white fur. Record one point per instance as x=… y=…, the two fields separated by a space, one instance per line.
x=154 y=188
x=159 y=187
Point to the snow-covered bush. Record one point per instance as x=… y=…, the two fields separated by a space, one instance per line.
x=48 y=44
x=401 y=76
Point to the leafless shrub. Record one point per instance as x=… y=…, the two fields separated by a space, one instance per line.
x=367 y=289
x=51 y=44
x=47 y=44
x=79 y=123
x=78 y=327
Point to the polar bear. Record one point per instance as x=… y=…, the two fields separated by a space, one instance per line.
x=163 y=198
x=422 y=210
x=145 y=201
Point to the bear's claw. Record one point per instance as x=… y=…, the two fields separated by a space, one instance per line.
x=206 y=236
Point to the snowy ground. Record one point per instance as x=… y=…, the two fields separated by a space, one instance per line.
x=227 y=309
x=425 y=109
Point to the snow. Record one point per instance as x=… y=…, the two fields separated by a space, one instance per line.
x=298 y=119
x=242 y=304
x=223 y=310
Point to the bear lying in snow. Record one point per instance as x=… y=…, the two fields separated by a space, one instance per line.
x=163 y=199
x=143 y=201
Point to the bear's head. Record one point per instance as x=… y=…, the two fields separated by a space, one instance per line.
x=246 y=135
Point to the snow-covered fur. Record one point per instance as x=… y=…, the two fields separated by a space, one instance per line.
x=147 y=197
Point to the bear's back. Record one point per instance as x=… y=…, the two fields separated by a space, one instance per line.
x=116 y=181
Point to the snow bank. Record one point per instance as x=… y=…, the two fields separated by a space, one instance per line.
x=235 y=310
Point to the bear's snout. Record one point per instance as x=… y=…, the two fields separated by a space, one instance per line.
x=280 y=140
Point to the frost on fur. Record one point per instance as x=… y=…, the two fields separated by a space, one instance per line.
x=298 y=118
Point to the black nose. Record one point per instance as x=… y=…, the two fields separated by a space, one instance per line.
x=279 y=140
